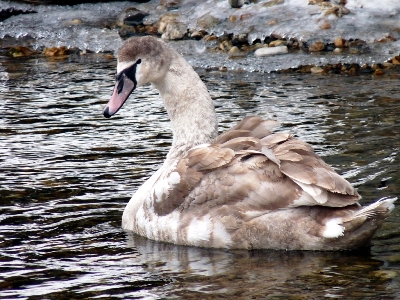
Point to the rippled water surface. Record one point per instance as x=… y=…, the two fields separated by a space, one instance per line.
x=66 y=174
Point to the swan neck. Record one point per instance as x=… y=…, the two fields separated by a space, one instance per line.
x=189 y=106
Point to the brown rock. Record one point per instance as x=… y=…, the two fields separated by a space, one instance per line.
x=277 y=43
x=19 y=51
x=339 y=42
x=55 y=51
x=317 y=70
x=165 y=20
x=225 y=46
x=325 y=25
x=378 y=72
x=317 y=46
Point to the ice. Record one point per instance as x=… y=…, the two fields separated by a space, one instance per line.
x=90 y=27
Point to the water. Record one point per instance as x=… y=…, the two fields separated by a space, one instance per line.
x=66 y=174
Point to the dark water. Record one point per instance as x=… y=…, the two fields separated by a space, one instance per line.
x=66 y=174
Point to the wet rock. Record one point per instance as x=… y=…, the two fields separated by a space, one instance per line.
x=236 y=3
x=131 y=17
x=165 y=20
x=209 y=38
x=225 y=46
x=233 y=50
x=170 y=4
x=379 y=72
x=174 y=31
x=339 y=42
x=325 y=25
x=198 y=35
x=317 y=70
x=271 y=51
x=317 y=46
x=272 y=3
x=395 y=60
x=338 y=50
x=55 y=51
x=19 y=51
x=277 y=43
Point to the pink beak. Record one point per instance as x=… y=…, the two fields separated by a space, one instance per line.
x=119 y=97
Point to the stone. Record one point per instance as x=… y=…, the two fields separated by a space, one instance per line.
x=337 y=50
x=165 y=20
x=325 y=25
x=317 y=70
x=55 y=51
x=174 y=31
x=225 y=46
x=272 y=3
x=317 y=46
x=19 y=51
x=271 y=51
x=234 y=49
x=339 y=42
x=277 y=43
x=379 y=72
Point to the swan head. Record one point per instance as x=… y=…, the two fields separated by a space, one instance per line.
x=141 y=60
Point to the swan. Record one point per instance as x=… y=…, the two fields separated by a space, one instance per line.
x=247 y=188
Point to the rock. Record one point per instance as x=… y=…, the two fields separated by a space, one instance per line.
x=339 y=42
x=337 y=50
x=165 y=20
x=19 y=51
x=198 y=35
x=272 y=3
x=170 y=4
x=234 y=49
x=232 y=19
x=174 y=31
x=317 y=46
x=387 y=64
x=131 y=17
x=236 y=3
x=271 y=51
x=325 y=25
x=209 y=38
x=396 y=60
x=277 y=43
x=378 y=72
x=317 y=70
x=55 y=51
x=225 y=46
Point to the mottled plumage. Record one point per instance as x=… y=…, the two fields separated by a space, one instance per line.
x=246 y=188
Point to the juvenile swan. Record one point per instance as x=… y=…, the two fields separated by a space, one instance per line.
x=247 y=188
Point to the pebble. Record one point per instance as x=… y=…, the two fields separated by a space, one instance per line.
x=317 y=70
x=317 y=46
x=225 y=46
x=19 y=51
x=271 y=51
x=378 y=72
x=339 y=42
x=55 y=51
x=234 y=49
x=277 y=43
